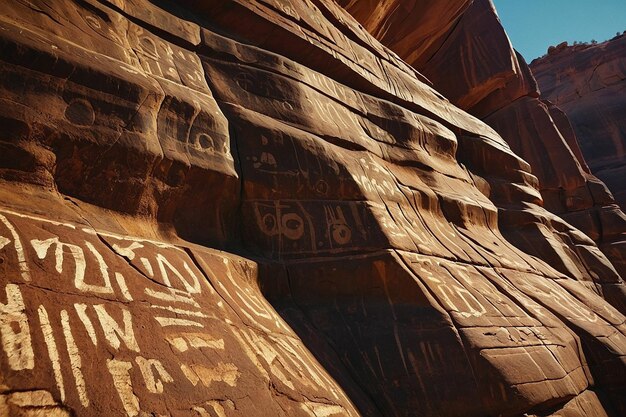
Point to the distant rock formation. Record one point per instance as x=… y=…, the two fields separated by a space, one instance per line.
x=254 y=208
x=588 y=82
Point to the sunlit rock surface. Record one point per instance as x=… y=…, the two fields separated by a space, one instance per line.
x=478 y=70
x=253 y=208
x=588 y=82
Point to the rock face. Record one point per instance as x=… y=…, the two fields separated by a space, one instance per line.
x=588 y=82
x=253 y=208
x=478 y=70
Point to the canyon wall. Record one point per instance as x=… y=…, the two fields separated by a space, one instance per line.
x=478 y=70
x=588 y=83
x=254 y=208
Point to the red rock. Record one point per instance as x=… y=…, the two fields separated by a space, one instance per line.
x=479 y=71
x=254 y=208
x=587 y=82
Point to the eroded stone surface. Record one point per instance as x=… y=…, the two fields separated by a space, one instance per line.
x=407 y=263
x=587 y=82
x=476 y=67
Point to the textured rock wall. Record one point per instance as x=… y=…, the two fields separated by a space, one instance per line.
x=142 y=138
x=478 y=70
x=588 y=82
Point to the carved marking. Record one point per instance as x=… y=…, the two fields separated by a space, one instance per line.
x=202 y=412
x=81 y=310
x=93 y=22
x=16 y=344
x=253 y=303
x=129 y=251
x=217 y=407
x=163 y=262
x=168 y=321
x=337 y=225
x=181 y=311
x=112 y=330
x=322 y=410
x=75 y=360
x=53 y=353
x=227 y=373
x=290 y=225
x=42 y=246
x=104 y=270
x=451 y=290
x=126 y=238
x=80 y=112
x=269 y=354
x=251 y=355
x=19 y=249
x=27 y=216
x=172 y=296
x=146 y=264
x=153 y=384
x=37 y=398
x=121 y=282
x=183 y=341
x=123 y=385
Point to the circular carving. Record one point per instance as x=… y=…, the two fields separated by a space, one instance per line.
x=321 y=187
x=341 y=233
x=80 y=112
x=292 y=226
x=269 y=224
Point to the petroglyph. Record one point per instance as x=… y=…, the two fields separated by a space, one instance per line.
x=154 y=382
x=75 y=360
x=19 y=249
x=53 y=353
x=279 y=219
x=81 y=311
x=173 y=296
x=119 y=371
x=322 y=410
x=223 y=372
x=165 y=265
x=110 y=327
x=15 y=331
x=127 y=252
x=113 y=332
x=183 y=341
x=169 y=321
x=80 y=264
x=216 y=406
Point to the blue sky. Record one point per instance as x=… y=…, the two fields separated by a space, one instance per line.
x=533 y=25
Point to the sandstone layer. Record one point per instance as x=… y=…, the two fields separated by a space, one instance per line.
x=589 y=83
x=253 y=208
x=478 y=70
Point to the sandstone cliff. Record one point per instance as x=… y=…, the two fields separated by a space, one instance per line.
x=253 y=208
x=588 y=82
x=478 y=70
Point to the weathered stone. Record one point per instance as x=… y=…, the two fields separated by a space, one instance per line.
x=253 y=208
x=587 y=82
x=495 y=84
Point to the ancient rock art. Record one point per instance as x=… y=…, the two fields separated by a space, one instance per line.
x=165 y=329
x=254 y=208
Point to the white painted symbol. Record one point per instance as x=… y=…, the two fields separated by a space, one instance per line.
x=15 y=332
x=53 y=353
x=113 y=332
